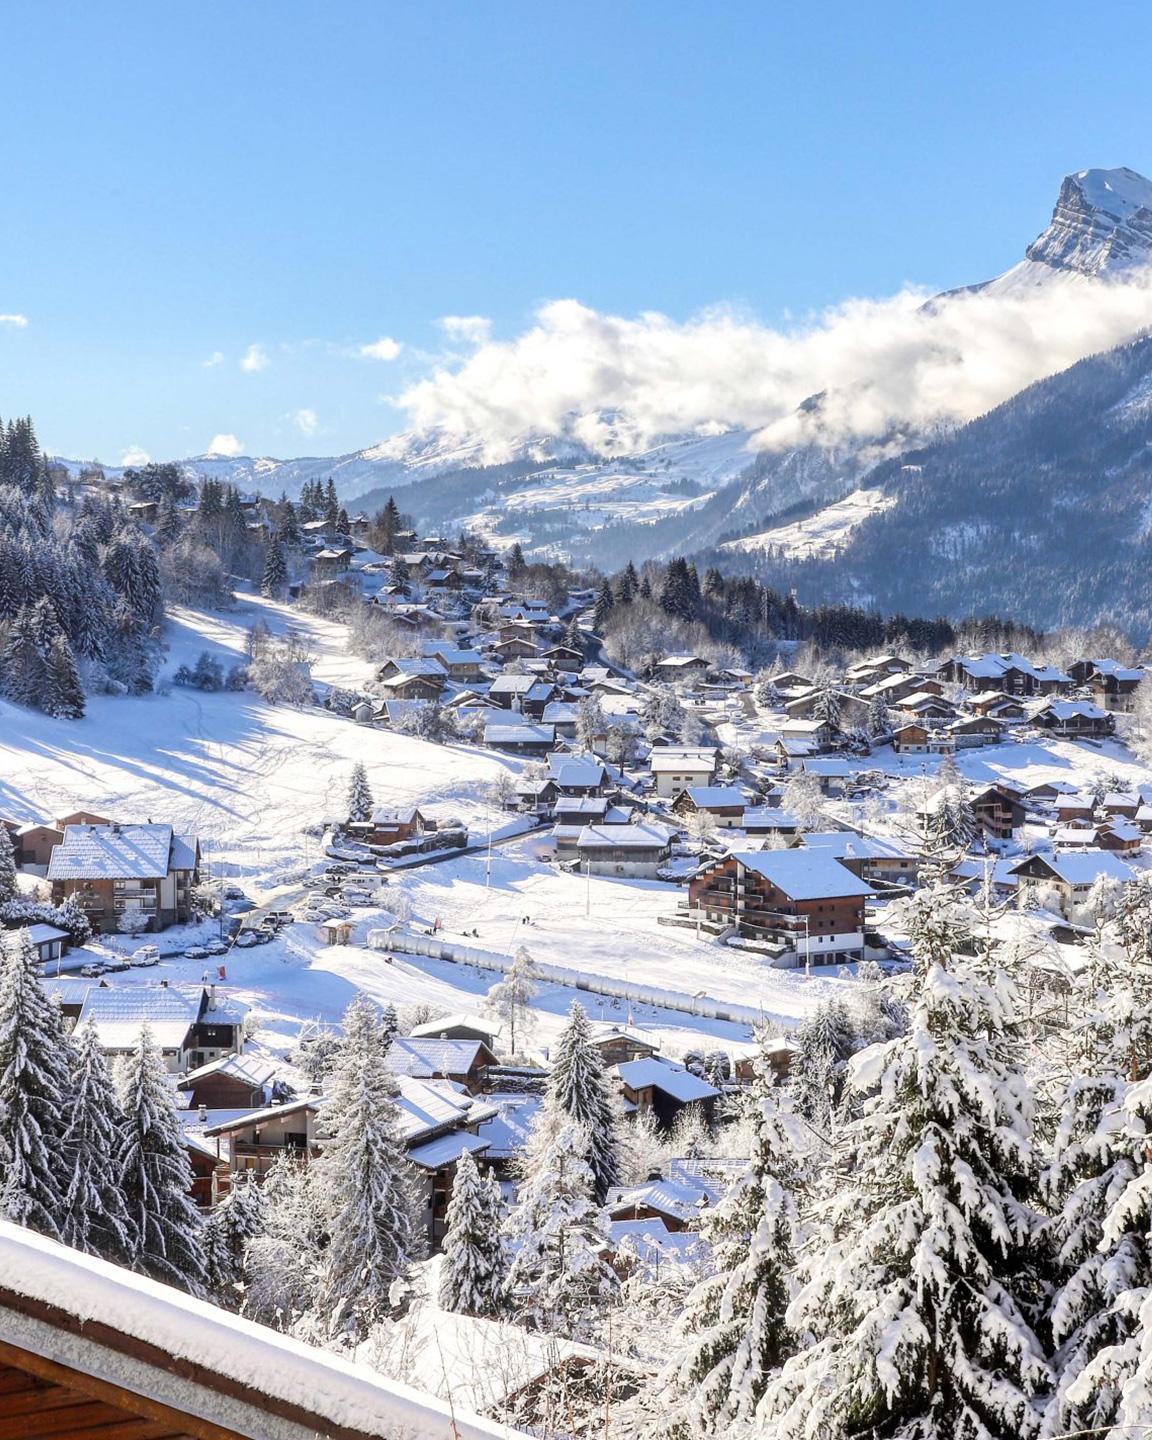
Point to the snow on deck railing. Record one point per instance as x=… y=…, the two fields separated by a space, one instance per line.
x=406 y=942
x=268 y=1365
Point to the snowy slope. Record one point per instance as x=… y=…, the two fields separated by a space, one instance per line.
x=820 y=534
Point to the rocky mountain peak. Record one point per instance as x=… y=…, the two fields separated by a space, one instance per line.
x=1102 y=223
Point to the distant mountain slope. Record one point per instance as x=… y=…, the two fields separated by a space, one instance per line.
x=1041 y=509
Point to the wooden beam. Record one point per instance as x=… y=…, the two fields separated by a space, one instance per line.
x=140 y=1406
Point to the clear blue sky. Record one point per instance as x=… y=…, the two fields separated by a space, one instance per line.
x=187 y=180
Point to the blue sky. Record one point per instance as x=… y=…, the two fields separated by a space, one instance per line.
x=187 y=181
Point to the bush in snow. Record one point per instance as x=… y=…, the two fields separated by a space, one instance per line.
x=206 y=674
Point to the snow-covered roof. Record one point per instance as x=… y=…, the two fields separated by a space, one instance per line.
x=211 y=1364
x=623 y=837
x=576 y=769
x=426 y=1106
x=251 y=1069
x=1082 y=867
x=497 y=734
x=849 y=845
x=446 y=1149
x=118 y=1015
x=436 y=1028
x=708 y=797
x=1070 y=709
x=44 y=934
x=427 y=1057
x=674 y=1080
x=680 y=1199
x=112 y=852
x=804 y=874
x=666 y=760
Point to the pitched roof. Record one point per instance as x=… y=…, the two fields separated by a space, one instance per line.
x=622 y=837
x=804 y=874
x=674 y=1080
x=112 y=852
x=1075 y=867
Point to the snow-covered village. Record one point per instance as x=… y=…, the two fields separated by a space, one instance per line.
x=621 y=910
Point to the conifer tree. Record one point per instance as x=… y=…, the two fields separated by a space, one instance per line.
x=21 y=662
x=510 y=999
x=275 y=576
x=578 y=1089
x=475 y=1264
x=63 y=692
x=627 y=585
x=7 y=866
x=915 y=1300
x=283 y=1261
x=157 y=1174
x=230 y=1228
x=734 y=1320
x=372 y=1215
x=360 y=801
x=605 y=600
x=557 y=1280
x=35 y=1094
x=95 y=1215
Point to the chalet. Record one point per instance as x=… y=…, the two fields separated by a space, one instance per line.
x=412 y=679
x=817 y=734
x=769 y=820
x=680 y=669
x=577 y=775
x=976 y=730
x=999 y=808
x=112 y=870
x=1111 y=685
x=563 y=657
x=1069 y=876
x=89 y=1348
x=724 y=803
x=917 y=739
x=462 y=665
x=853 y=710
x=789 y=680
x=676 y=768
x=997 y=706
x=677 y=1195
x=804 y=902
x=663 y=1089
x=879 y=667
x=1075 y=719
x=457 y=1027
x=895 y=688
x=926 y=707
x=332 y=560
x=253 y=1141
x=563 y=715
x=573 y=813
x=617 y=1043
x=392 y=827
x=190 y=1028
x=867 y=856
x=515 y=647
x=33 y=846
x=523 y=739
x=463 y=1062
x=234 y=1082
x=1011 y=674
x=635 y=850
x=1124 y=837
x=444 y=580
x=510 y=691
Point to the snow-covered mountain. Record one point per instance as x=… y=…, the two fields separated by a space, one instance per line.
x=694 y=490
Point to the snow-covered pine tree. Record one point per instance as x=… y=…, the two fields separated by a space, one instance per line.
x=557 y=1280
x=35 y=1093
x=827 y=706
x=824 y=1042
x=578 y=1089
x=510 y=999
x=95 y=1216
x=231 y=1227
x=63 y=692
x=360 y=801
x=275 y=577
x=919 y=1329
x=372 y=1215
x=605 y=601
x=21 y=663
x=283 y=1261
x=157 y=1174
x=734 y=1326
x=7 y=867
x=475 y=1261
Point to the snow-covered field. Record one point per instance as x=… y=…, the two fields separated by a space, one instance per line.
x=820 y=534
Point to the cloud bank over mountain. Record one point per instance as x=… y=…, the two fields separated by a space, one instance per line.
x=618 y=383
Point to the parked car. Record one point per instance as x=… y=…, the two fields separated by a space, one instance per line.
x=246 y=939
x=195 y=952
x=215 y=947
x=114 y=967
x=93 y=972
x=285 y=917
x=146 y=955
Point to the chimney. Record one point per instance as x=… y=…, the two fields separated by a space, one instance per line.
x=212 y=997
x=202 y=1113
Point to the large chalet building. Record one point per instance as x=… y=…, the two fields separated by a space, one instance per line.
x=113 y=870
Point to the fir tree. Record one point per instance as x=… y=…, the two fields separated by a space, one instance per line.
x=734 y=1321
x=360 y=801
x=157 y=1174
x=7 y=866
x=283 y=1262
x=557 y=1280
x=604 y=603
x=63 y=693
x=475 y=1264
x=514 y=562
x=627 y=585
x=95 y=1215
x=920 y=1330
x=21 y=663
x=35 y=1094
x=824 y=1042
x=231 y=1227
x=275 y=577
x=578 y=1089
x=373 y=1224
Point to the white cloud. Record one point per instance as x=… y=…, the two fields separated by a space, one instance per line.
x=472 y=329
x=135 y=456
x=383 y=349
x=306 y=422
x=14 y=322
x=255 y=358
x=216 y=358
x=880 y=363
x=225 y=445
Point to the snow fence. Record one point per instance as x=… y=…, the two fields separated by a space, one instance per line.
x=407 y=942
